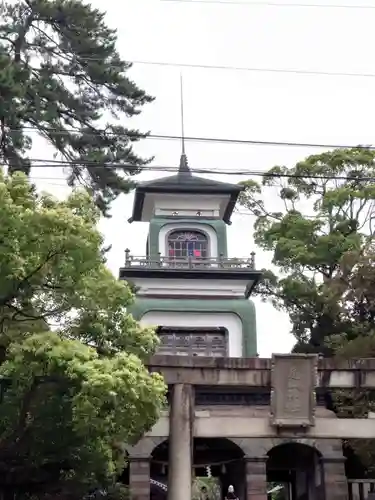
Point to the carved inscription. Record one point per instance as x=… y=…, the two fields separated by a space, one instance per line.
x=293 y=390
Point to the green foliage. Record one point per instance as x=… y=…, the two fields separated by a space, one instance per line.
x=321 y=240
x=60 y=73
x=75 y=388
x=206 y=488
x=325 y=215
x=356 y=285
x=277 y=491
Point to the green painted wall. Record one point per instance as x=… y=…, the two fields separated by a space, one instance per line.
x=243 y=308
x=217 y=225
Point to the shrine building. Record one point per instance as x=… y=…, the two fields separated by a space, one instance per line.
x=249 y=422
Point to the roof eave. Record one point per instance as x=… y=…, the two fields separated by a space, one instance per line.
x=190 y=189
x=251 y=275
x=230 y=207
x=139 y=200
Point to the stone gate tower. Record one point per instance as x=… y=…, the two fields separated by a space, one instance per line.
x=251 y=420
x=187 y=286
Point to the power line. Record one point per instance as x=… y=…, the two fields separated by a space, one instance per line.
x=257 y=142
x=64 y=185
x=145 y=168
x=234 y=68
x=61 y=185
x=273 y=4
x=216 y=140
x=57 y=184
x=238 y=68
x=241 y=68
x=174 y=169
x=256 y=70
x=47 y=163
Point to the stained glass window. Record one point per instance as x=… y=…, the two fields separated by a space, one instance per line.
x=183 y=244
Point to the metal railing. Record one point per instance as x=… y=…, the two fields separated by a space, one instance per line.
x=189 y=262
x=359 y=489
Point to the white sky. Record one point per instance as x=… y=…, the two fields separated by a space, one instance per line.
x=239 y=104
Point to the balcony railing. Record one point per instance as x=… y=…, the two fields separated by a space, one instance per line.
x=189 y=262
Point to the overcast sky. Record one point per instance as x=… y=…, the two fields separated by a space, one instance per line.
x=250 y=105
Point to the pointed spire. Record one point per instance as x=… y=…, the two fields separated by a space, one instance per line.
x=184 y=166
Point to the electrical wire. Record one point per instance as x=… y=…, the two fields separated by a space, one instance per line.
x=175 y=169
x=63 y=185
x=230 y=68
x=256 y=70
x=205 y=139
x=236 y=68
x=274 y=4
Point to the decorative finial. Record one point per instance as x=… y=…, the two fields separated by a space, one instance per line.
x=184 y=167
x=182 y=114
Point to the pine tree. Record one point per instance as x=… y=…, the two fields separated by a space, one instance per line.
x=61 y=75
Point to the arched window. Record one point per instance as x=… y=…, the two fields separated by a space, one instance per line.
x=183 y=244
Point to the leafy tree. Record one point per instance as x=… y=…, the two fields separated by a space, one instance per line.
x=326 y=213
x=321 y=239
x=354 y=288
x=61 y=75
x=74 y=385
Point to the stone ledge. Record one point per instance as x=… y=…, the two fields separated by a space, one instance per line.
x=259 y=427
x=254 y=363
x=210 y=362
x=256 y=372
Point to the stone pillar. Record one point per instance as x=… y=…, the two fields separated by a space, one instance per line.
x=256 y=478
x=139 y=478
x=181 y=420
x=336 y=484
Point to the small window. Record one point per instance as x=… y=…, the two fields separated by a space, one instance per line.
x=183 y=244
